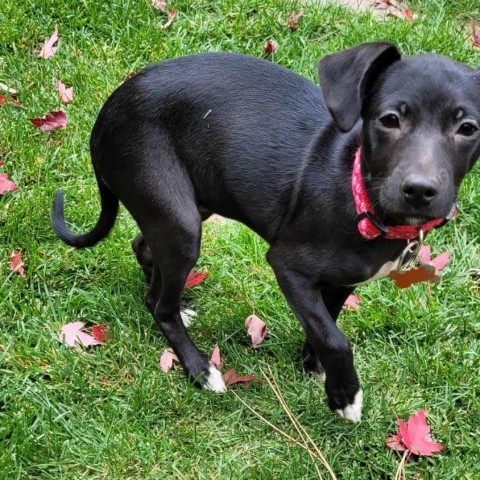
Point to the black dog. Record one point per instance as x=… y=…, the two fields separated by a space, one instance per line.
x=252 y=141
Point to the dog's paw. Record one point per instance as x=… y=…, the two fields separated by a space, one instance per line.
x=187 y=315
x=353 y=411
x=214 y=381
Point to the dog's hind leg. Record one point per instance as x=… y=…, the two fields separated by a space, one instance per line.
x=168 y=217
x=145 y=259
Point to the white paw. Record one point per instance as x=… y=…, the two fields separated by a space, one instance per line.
x=353 y=412
x=215 y=381
x=321 y=376
x=187 y=315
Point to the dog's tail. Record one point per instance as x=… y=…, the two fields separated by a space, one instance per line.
x=104 y=224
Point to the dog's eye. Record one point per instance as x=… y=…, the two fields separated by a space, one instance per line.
x=390 y=121
x=467 y=129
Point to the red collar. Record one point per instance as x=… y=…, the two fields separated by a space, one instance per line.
x=369 y=225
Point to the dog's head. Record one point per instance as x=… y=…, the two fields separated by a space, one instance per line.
x=421 y=125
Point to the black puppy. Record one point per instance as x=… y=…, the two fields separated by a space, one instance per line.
x=337 y=180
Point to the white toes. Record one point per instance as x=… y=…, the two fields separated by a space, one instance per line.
x=353 y=412
x=187 y=315
x=215 y=381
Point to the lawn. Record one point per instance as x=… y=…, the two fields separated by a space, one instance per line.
x=109 y=412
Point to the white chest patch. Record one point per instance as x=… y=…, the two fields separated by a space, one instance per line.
x=384 y=271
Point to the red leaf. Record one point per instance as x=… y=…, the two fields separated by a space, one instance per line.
x=414 y=436
x=66 y=94
x=194 y=278
x=256 y=328
x=167 y=359
x=52 y=121
x=352 y=302
x=270 y=47
x=408 y=14
x=72 y=334
x=428 y=270
x=6 y=185
x=293 y=19
x=48 y=49
x=100 y=332
x=6 y=100
x=172 y=13
x=216 y=360
x=16 y=263
x=230 y=377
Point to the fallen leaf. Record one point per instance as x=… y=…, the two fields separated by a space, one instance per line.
x=414 y=436
x=270 y=47
x=6 y=100
x=394 y=9
x=216 y=360
x=130 y=75
x=230 y=377
x=194 y=278
x=48 y=49
x=352 y=302
x=72 y=334
x=427 y=271
x=293 y=19
x=100 y=332
x=167 y=359
x=408 y=14
x=8 y=89
x=16 y=263
x=6 y=185
x=66 y=94
x=475 y=33
x=256 y=328
x=172 y=13
x=159 y=5
x=52 y=121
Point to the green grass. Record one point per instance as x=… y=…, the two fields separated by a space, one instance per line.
x=109 y=412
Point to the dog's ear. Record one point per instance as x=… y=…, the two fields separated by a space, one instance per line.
x=347 y=77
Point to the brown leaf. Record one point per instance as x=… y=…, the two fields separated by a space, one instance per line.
x=230 y=377
x=172 y=13
x=270 y=47
x=293 y=19
x=6 y=100
x=475 y=33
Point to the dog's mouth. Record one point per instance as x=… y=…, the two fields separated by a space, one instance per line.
x=406 y=219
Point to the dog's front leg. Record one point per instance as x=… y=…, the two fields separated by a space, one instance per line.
x=328 y=343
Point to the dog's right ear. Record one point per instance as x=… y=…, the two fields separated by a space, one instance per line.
x=347 y=77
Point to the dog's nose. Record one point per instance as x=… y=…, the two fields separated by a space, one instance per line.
x=418 y=190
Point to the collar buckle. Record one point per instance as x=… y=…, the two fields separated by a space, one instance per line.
x=374 y=220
